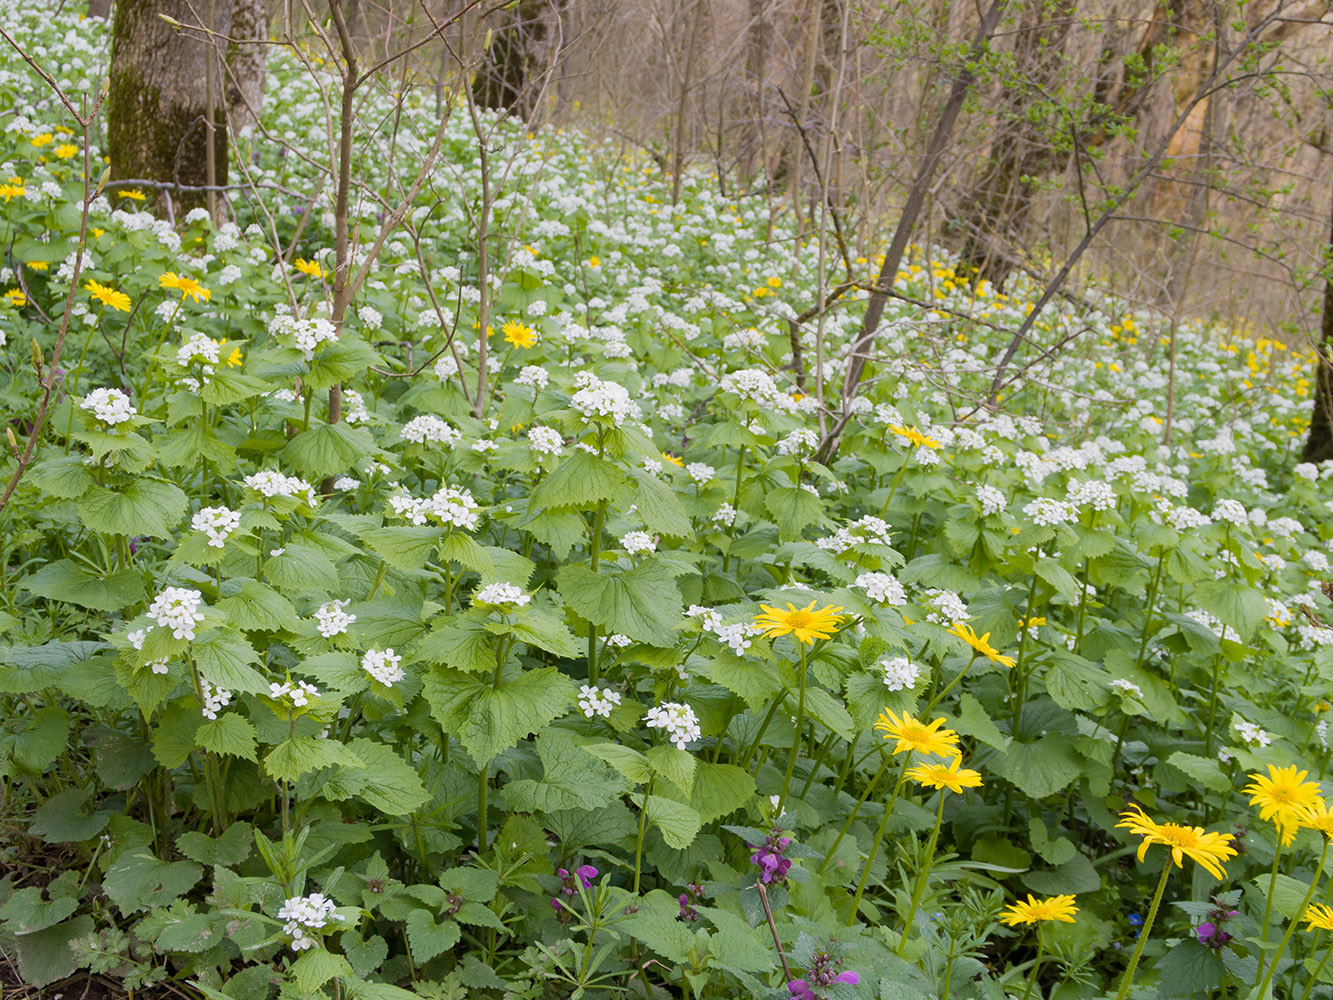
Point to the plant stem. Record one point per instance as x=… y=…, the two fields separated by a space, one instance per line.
x=643 y=820
x=800 y=727
x=773 y=929
x=879 y=838
x=1319 y=970
x=1128 y=977
x=1036 y=964
x=1268 y=907
x=1295 y=920
x=856 y=809
x=923 y=876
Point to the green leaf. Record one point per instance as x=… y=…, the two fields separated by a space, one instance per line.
x=1203 y=771
x=794 y=509
x=151 y=507
x=174 y=735
x=1074 y=876
x=34 y=744
x=571 y=778
x=25 y=912
x=659 y=507
x=302 y=754
x=403 y=547
x=316 y=967
x=464 y=550
x=490 y=719
x=975 y=721
x=224 y=657
x=66 y=580
x=139 y=881
x=429 y=938
x=339 y=361
x=231 y=387
x=1236 y=604
x=191 y=933
x=546 y=631
x=460 y=644
x=257 y=607
x=737 y=945
x=829 y=710
x=1058 y=577
x=386 y=781
x=63 y=818
x=755 y=683
x=642 y=603
x=656 y=926
x=228 y=850
x=1042 y=768
x=328 y=449
x=678 y=823
x=580 y=481
x=674 y=764
x=1075 y=683
x=719 y=789
x=45 y=956
x=229 y=735
x=628 y=761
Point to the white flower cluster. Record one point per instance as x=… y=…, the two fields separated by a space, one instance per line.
x=725 y=515
x=900 y=673
x=1252 y=734
x=382 y=664
x=1093 y=494
x=1127 y=687
x=882 y=588
x=429 y=427
x=679 y=721
x=868 y=529
x=534 y=377
x=271 y=483
x=700 y=472
x=305 y=334
x=501 y=593
x=217 y=523
x=758 y=387
x=332 y=619
x=992 y=499
x=449 y=505
x=546 y=440
x=111 y=406
x=595 y=701
x=177 y=609
x=1232 y=512
x=1047 y=512
x=201 y=351
x=737 y=635
x=799 y=442
x=299 y=694
x=596 y=398
x=948 y=607
x=303 y=913
x=635 y=542
x=215 y=699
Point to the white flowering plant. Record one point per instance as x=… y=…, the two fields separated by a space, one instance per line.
x=334 y=647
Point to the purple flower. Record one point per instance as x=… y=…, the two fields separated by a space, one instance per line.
x=586 y=874
x=769 y=857
x=801 y=990
x=1210 y=933
x=569 y=887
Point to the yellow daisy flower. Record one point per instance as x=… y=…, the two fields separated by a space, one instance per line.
x=980 y=644
x=15 y=297
x=913 y=435
x=1036 y=911
x=806 y=624
x=677 y=462
x=1207 y=849
x=1318 y=917
x=41 y=140
x=108 y=296
x=67 y=150
x=519 y=334
x=1285 y=798
x=13 y=189
x=913 y=734
x=309 y=267
x=188 y=287
x=941 y=776
x=134 y=194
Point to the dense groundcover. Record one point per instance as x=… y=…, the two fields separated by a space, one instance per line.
x=614 y=688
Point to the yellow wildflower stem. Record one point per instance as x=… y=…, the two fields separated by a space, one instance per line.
x=874 y=782
x=800 y=725
x=1128 y=978
x=1319 y=970
x=879 y=839
x=952 y=684
x=1036 y=964
x=907 y=457
x=1295 y=920
x=922 y=877
x=1268 y=906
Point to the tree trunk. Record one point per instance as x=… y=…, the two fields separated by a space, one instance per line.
x=99 y=8
x=1319 y=443
x=157 y=108
x=247 y=63
x=996 y=216
x=521 y=50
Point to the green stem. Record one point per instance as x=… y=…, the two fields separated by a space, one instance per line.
x=1036 y=964
x=951 y=685
x=643 y=820
x=850 y=819
x=1268 y=907
x=1319 y=970
x=879 y=838
x=923 y=876
x=1295 y=920
x=800 y=727
x=1128 y=977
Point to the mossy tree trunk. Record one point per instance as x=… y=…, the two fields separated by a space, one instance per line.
x=1319 y=443
x=157 y=108
x=523 y=48
x=247 y=62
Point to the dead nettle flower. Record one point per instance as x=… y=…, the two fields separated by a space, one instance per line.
x=569 y=887
x=693 y=893
x=770 y=857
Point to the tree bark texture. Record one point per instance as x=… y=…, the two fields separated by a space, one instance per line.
x=157 y=108
x=996 y=216
x=247 y=63
x=1319 y=442
x=523 y=45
